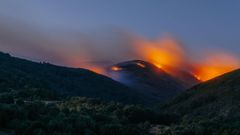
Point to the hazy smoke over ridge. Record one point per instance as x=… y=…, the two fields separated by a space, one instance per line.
x=97 y=49
x=63 y=47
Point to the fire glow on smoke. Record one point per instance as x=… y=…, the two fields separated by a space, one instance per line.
x=140 y=65
x=115 y=68
x=114 y=46
x=169 y=53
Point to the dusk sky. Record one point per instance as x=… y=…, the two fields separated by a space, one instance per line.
x=44 y=29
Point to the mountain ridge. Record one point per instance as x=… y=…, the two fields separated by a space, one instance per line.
x=149 y=79
x=20 y=74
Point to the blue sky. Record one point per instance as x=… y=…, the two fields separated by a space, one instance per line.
x=200 y=24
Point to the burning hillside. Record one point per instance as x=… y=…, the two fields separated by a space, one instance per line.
x=147 y=79
x=169 y=55
x=114 y=46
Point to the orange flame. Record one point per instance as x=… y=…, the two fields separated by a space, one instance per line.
x=160 y=53
x=97 y=70
x=169 y=53
x=216 y=64
x=196 y=76
x=115 y=68
x=141 y=65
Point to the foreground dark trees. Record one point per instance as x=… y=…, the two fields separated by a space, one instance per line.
x=76 y=116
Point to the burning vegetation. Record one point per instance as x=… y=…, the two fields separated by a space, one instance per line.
x=140 y=65
x=116 y=68
x=163 y=52
x=170 y=53
x=216 y=64
x=119 y=68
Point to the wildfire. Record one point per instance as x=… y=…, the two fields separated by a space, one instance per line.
x=158 y=65
x=169 y=53
x=196 y=76
x=115 y=68
x=216 y=64
x=160 y=53
x=97 y=70
x=141 y=65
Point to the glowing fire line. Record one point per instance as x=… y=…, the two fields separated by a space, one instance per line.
x=170 y=53
x=115 y=68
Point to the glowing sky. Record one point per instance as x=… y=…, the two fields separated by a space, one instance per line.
x=49 y=29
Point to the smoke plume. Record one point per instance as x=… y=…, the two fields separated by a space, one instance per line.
x=98 y=49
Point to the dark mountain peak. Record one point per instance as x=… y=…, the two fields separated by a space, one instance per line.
x=135 y=64
x=137 y=67
x=146 y=78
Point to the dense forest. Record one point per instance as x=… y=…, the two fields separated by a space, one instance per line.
x=77 y=115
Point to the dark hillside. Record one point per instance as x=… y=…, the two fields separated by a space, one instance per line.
x=50 y=81
x=218 y=96
x=146 y=78
x=210 y=108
